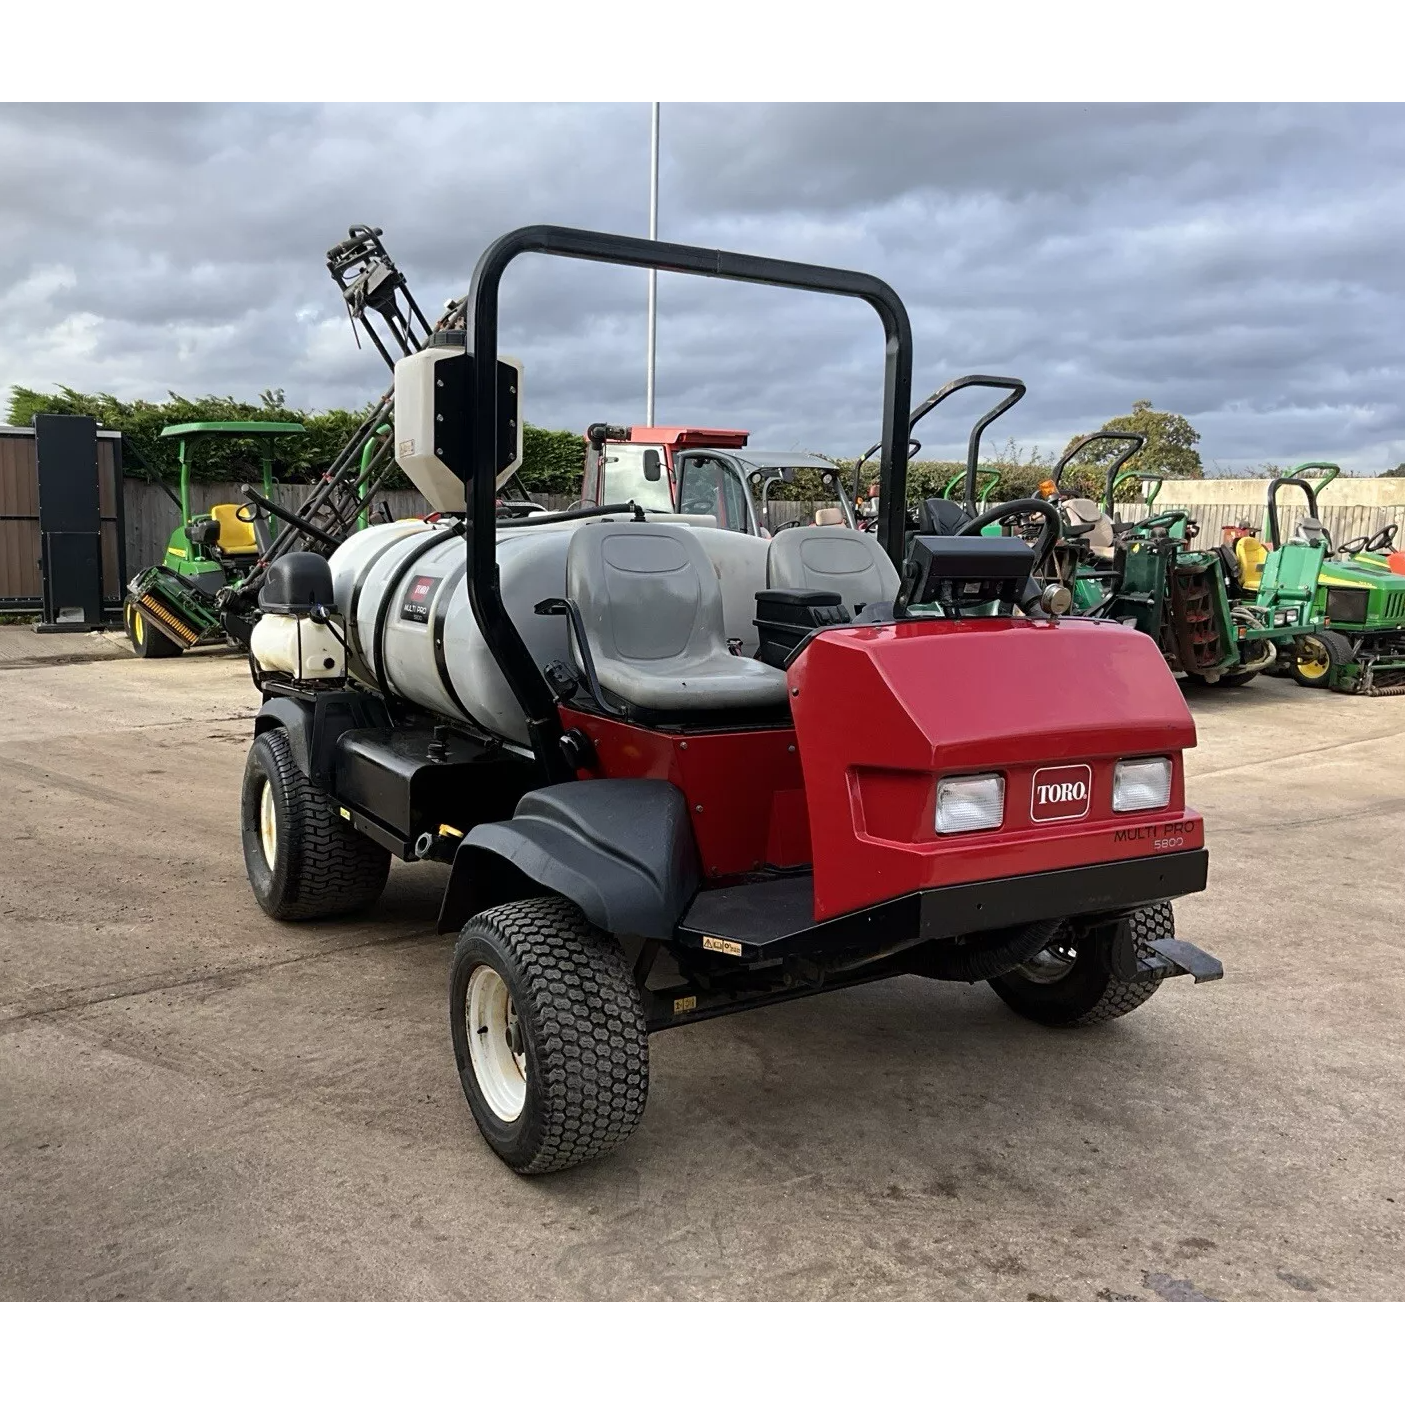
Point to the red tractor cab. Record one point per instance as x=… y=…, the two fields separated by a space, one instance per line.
x=678 y=771
x=639 y=463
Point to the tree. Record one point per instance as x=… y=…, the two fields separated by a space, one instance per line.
x=1170 y=442
x=1397 y=472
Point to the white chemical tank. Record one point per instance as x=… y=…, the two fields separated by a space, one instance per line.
x=406 y=581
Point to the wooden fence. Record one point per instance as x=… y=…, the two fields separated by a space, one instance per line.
x=151 y=516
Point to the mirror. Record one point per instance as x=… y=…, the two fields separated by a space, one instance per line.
x=653 y=465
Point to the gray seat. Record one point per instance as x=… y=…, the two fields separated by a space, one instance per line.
x=1101 y=540
x=832 y=558
x=652 y=609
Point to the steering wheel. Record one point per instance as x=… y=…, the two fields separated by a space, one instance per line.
x=1022 y=507
x=1166 y=520
x=1382 y=540
x=293 y=520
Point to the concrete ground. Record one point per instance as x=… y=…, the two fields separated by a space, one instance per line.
x=198 y=1103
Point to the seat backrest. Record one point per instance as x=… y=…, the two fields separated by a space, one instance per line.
x=739 y=563
x=941 y=517
x=646 y=591
x=1251 y=554
x=840 y=559
x=1102 y=539
x=829 y=517
x=236 y=535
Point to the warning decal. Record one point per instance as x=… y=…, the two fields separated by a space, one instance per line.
x=415 y=605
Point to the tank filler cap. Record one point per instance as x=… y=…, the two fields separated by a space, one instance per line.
x=449 y=336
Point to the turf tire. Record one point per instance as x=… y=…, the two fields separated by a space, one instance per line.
x=582 y=1028
x=322 y=867
x=1339 y=651
x=1089 y=993
x=146 y=640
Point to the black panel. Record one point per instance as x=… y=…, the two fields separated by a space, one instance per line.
x=70 y=521
x=1067 y=892
x=772 y=917
x=392 y=776
x=67 y=449
x=452 y=377
x=72 y=570
x=1347 y=605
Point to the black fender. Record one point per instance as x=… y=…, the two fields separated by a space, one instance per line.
x=621 y=850
x=295 y=717
x=314 y=726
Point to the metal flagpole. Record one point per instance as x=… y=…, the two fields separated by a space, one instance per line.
x=653 y=272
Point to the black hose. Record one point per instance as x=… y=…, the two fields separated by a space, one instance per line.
x=570 y=514
x=984 y=955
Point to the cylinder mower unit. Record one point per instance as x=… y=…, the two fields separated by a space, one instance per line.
x=678 y=771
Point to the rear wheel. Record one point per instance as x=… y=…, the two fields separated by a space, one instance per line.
x=549 y=1034
x=302 y=858
x=1318 y=656
x=146 y=640
x=1071 y=983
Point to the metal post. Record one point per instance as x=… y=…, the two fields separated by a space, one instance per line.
x=653 y=272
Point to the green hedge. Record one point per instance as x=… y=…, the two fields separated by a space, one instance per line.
x=554 y=459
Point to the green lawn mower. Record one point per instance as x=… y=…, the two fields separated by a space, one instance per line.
x=1146 y=575
x=171 y=607
x=1360 y=644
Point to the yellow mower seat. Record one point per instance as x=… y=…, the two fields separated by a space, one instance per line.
x=236 y=535
x=1251 y=554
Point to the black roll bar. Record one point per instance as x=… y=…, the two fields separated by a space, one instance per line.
x=1135 y=444
x=1273 y=488
x=484 y=593
x=973 y=446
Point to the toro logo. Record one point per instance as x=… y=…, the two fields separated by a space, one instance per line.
x=415 y=605
x=1060 y=793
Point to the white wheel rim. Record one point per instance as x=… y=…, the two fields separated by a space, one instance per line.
x=495 y=1044
x=268 y=825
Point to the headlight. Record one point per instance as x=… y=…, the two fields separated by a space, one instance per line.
x=1144 y=784
x=965 y=803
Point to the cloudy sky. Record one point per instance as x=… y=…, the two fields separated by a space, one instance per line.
x=1240 y=264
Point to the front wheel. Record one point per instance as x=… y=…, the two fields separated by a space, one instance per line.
x=146 y=640
x=549 y=1034
x=1318 y=656
x=1071 y=982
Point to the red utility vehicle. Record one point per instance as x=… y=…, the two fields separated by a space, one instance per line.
x=656 y=811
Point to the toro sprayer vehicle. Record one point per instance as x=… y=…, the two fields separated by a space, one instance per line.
x=647 y=822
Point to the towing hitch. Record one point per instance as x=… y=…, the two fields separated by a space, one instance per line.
x=1170 y=956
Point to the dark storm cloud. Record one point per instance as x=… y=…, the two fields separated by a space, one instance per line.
x=1238 y=264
